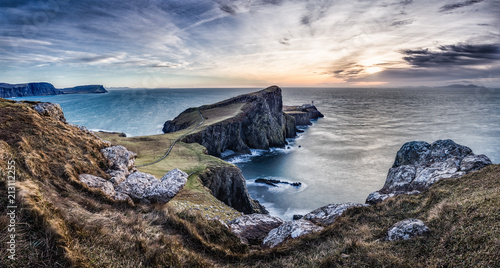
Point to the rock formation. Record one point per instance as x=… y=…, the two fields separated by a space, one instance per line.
x=53 y=110
x=302 y=114
x=44 y=89
x=407 y=229
x=289 y=230
x=257 y=122
x=326 y=215
x=252 y=229
x=419 y=164
x=228 y=185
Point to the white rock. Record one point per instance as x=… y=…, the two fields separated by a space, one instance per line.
x=119 y=157
x=253 y=228
x=99 y=183
x=326 y=215
x=136 y=184
x=289 y=230
x=407 y=229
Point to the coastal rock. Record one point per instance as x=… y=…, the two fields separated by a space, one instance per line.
x=118 y=176
x=326 y=215
x=252 y=229
x=53 y=110
x=407 y=229
x=99 y=183
x=87 y=89
x=303 y=114
x=119 y=196
x=229 y=186
x=290 y=126
x=28 y=89
x=257 y=122
x=119 y=158
x=418 y=165
x=289 y=230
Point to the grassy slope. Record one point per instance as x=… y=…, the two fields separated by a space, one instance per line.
x=63 y=223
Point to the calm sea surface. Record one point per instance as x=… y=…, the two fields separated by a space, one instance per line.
x=340 y=158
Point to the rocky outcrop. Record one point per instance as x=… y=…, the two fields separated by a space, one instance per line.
x=252 y=229
x=407 y=229
x=105 y=186
x=145 y=188
x=326 y=215
x=28 y=89
x=44 y=89
x=289 y=230
x=258 y=123
x=228 y=185
x=87 y=89
x=418 y=165
x=303 y=114
x=121 y=161
x=53 y=110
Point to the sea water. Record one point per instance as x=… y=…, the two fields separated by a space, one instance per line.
x=340 y=158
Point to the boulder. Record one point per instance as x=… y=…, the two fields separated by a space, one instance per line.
x=119 y=158
x=99 y=183
x=418 y=165
x=326 y=215
x=52 y=110
x=289 y=230
x=407 y=229
x=136 y=185
x=252 y=229
x=117 y=176
x=145 y=188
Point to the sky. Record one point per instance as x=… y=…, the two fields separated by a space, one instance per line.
x=252 y=43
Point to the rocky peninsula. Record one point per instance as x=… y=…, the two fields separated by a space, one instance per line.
x=44 y=89
x=251 y=121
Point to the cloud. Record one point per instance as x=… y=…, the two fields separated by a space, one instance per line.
x=460 y=54
x=454 y=6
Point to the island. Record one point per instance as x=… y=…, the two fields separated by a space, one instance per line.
x=44 y=89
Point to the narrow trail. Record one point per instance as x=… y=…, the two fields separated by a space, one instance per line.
x=176 y=140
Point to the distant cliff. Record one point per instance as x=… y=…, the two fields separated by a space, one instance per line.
x=254 y=120
x=44 y=89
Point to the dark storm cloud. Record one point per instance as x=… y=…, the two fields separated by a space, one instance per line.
x=461 y=54
x=450 y=7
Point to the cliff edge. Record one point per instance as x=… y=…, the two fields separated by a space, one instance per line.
x=249 y=121
x=44 y=89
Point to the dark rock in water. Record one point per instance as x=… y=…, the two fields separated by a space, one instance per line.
x=29 y=89
x=418 y=165
x=252 y=229
x=229 y=186
x=407 y=229
x=326 y=215
x=273 y=182
x=297 y=217
x=44 y=89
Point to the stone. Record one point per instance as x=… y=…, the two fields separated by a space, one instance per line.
x=119 y=157
x=289 y=230
x=418 y=165
x=119 y=196
x=164 y=190
x=252 y=229
x=99 y=183
x=117 y=176
x=52 y=110
x=297 y=217
x=326 y=215
x=136 y=184
x=407 y=229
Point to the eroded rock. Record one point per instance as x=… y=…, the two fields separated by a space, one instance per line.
x=289 y=230
x=252 y=229
x=99 y=183
x=418 y=165
x=52 y=110
x=326 y=215
x=119 y=158
x=407 y=229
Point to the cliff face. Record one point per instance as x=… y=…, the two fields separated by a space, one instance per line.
x=25 y=90
x=303 y=114
x=228 y=185
x=258 y=123
x=43 y=89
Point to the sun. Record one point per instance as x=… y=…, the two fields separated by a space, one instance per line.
x=372 y=70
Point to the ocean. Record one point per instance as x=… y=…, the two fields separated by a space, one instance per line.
x=340 y=158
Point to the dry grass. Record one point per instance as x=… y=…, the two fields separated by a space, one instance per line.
x=63 y=223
